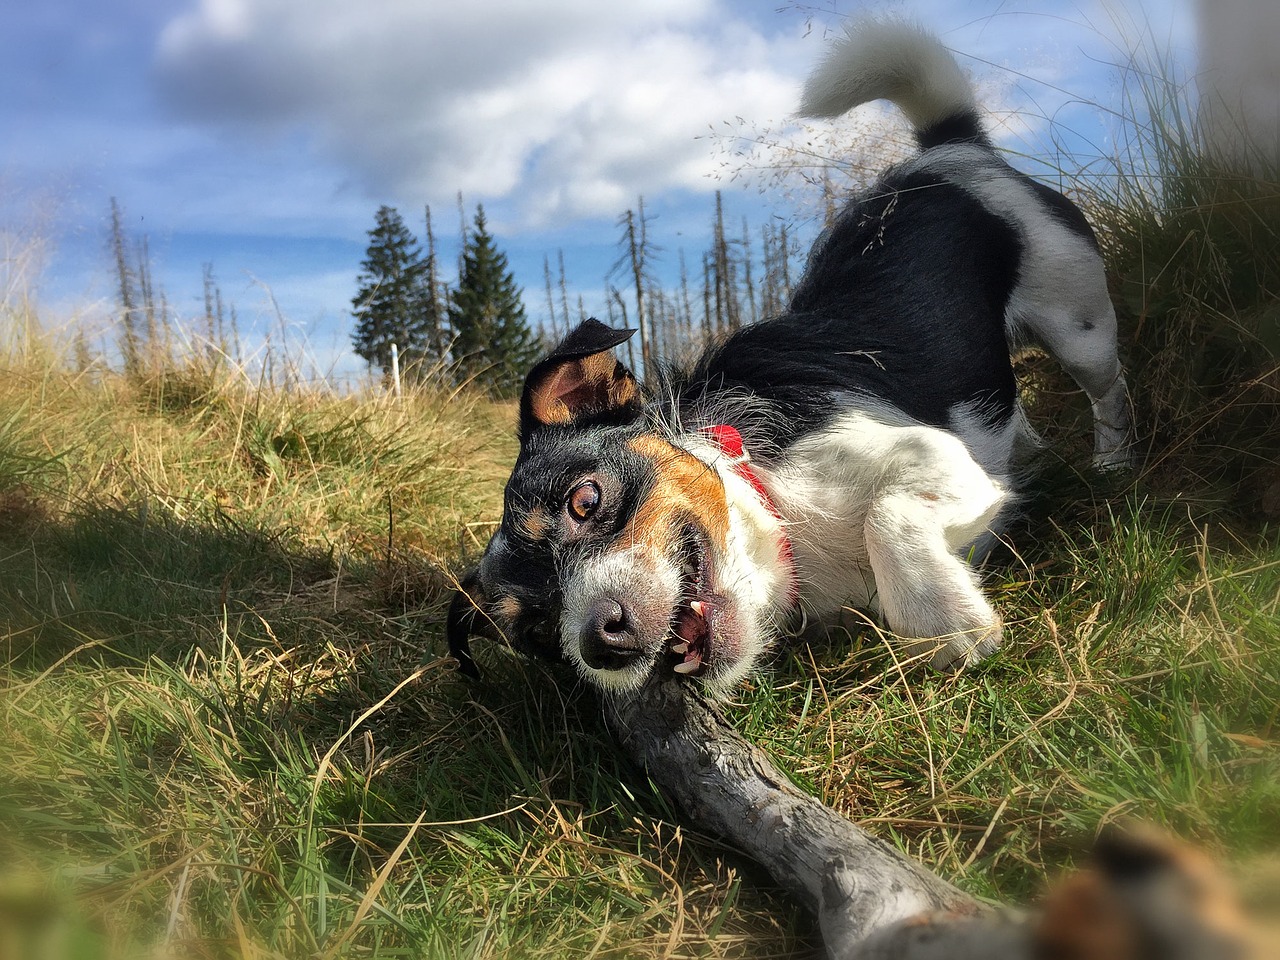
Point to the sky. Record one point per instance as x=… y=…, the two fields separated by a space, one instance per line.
x=260 y=136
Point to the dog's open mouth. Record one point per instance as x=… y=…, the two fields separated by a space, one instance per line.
x=696 y=612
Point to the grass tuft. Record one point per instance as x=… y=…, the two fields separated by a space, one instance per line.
x=1193 y=245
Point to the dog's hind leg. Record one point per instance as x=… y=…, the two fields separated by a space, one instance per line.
x=1059 y=300
x=1061 y=304
x=1082 y=338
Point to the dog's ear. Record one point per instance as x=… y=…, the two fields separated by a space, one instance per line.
x=580 y=380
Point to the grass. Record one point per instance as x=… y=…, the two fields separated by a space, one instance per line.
x=228 y=727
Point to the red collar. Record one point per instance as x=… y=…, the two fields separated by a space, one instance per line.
x=729 y=441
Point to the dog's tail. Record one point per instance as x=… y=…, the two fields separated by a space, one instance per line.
x=897 y=61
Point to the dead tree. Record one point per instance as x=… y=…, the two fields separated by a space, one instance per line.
x=748 y=285
x=636 y=255
x=551 y=303
x=130 y=340
x=720 y=269
x=436 y=293
x=564 y=294
x=686 y=307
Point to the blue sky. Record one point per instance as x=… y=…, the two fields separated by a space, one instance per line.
x=261 y=135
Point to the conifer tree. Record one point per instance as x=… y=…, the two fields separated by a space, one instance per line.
x=395 y=303
x=493 y=344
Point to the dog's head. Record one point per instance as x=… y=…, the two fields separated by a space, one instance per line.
x=617 y=547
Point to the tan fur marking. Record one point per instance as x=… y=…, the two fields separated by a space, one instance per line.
x=507 y=609
x=622 y=389
x=546 y=402
x=535 y=523
x=1085 y=919
x=1212 y=895
x=597 y=380
x=685 y=488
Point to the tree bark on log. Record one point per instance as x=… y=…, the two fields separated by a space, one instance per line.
x=858 y=885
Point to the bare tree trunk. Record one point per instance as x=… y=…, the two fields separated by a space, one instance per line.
x=720 y=267
x=637 y=250
x=686 y=308
x=220 y=312
x=551 y=303
x=130 y=346
x=434 y=293
x=147 y=291
x=210 y=352
x=653 y=317
x=235 y=337
x=465 y=234
x=564 y=294
x=166 y=331
x=616 y=297
x=708 y=330
x=776 y=281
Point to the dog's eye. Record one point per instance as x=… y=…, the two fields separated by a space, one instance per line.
x=583 y=500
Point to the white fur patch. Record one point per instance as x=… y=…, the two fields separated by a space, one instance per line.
x=878 y=509
x=751 y=572
x=892 y=60
x=638 y=571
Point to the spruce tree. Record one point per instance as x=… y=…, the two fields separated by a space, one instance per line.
x=395 y=302
x=493 y=344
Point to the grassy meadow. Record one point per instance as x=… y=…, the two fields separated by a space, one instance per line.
x=228 y=727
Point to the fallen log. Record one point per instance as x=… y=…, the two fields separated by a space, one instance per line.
x=1145 y=896
x=856 y=884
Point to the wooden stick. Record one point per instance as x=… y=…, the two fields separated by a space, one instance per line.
x=856 y=883
x=1145 y=896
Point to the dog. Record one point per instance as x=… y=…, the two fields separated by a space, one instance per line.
x=856 y=452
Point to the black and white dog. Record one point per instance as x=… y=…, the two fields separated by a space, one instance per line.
x=855 y=452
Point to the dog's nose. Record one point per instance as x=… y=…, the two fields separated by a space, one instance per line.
x=609 y=638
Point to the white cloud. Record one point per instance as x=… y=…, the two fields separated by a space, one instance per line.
x=571 y=106
x=565 y=109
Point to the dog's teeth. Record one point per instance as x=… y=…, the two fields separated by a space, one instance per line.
x=697 y=607
x=686 y=666
x=680 y=647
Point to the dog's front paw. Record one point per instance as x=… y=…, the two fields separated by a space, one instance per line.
x=960 y=648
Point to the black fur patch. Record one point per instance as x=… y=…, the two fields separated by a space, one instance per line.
x=902 y=302
x=1063 y=210
x=963 y=127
